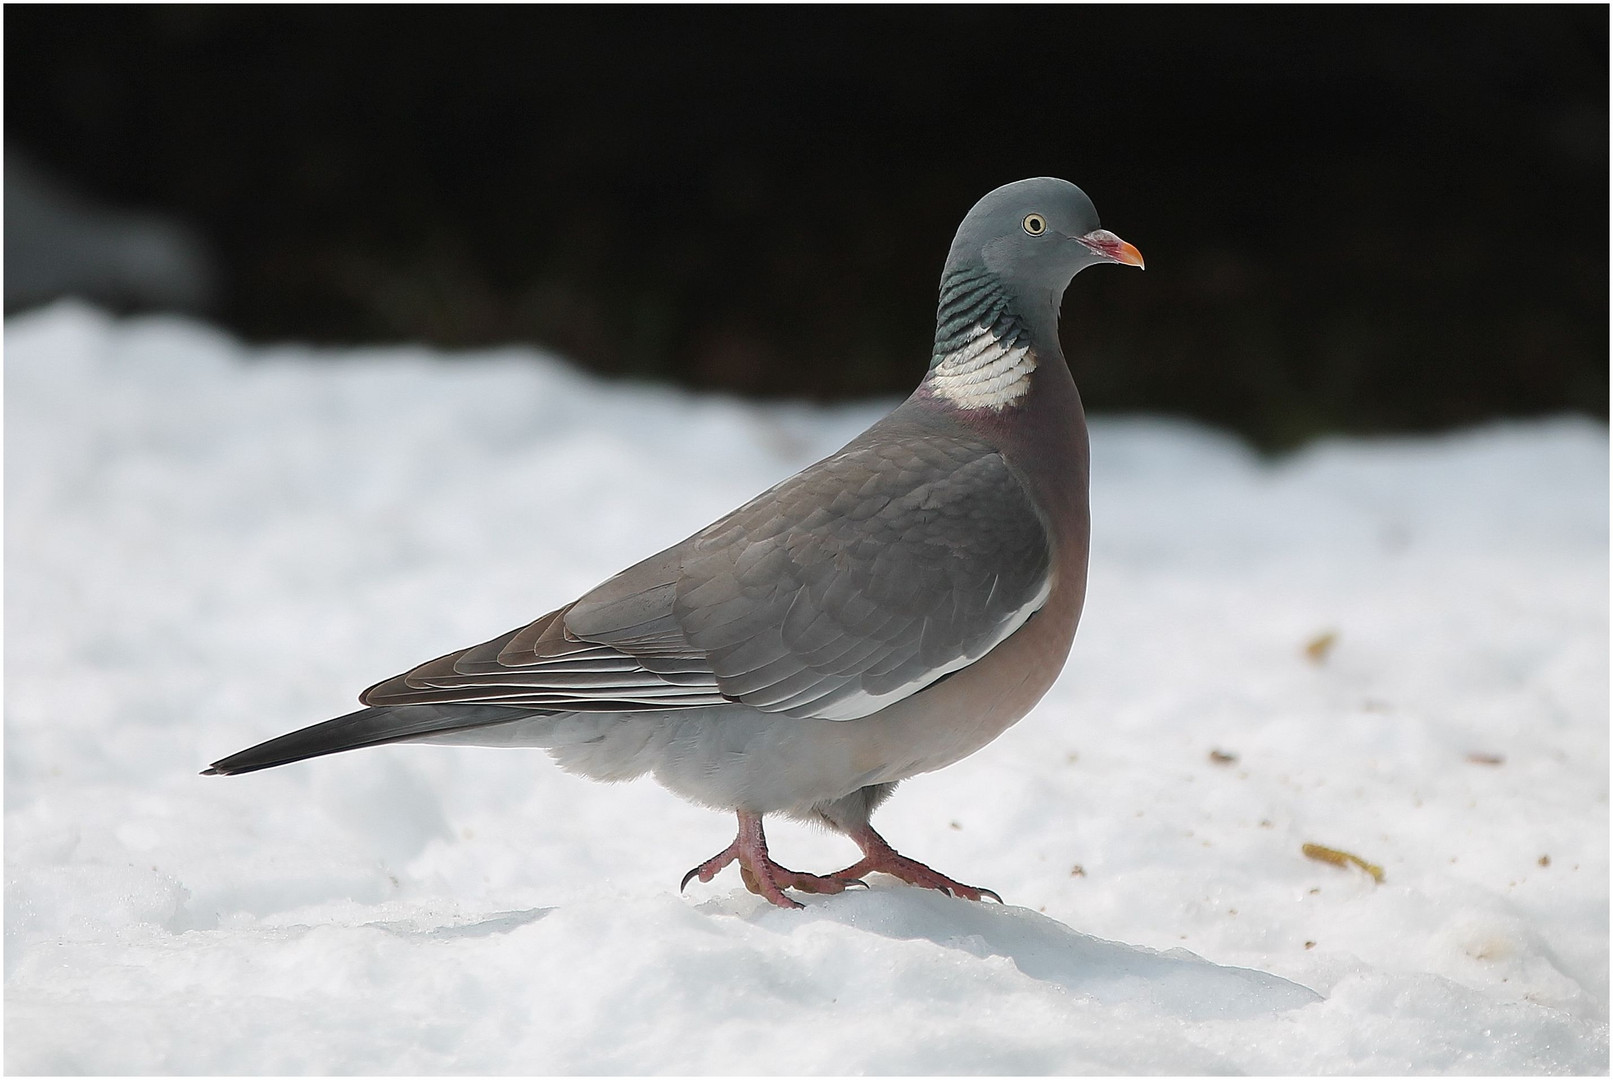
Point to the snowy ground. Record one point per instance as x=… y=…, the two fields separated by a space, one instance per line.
x=207 y=545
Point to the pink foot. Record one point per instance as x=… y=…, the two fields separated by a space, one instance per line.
x=881 y=857
x=762 y=875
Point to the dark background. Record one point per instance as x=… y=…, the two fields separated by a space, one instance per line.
x=1354 y=219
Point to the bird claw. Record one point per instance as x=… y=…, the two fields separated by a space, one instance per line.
x=785 y=878
x=708 y=869
x=881 y=857
x=813 y=883
x=760 y=873
x=768 y=879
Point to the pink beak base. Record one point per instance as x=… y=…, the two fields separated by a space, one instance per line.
x=1107 y=245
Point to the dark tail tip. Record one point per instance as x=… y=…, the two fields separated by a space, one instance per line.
x=366 y=727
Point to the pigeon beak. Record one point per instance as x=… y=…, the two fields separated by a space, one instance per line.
x=1106 y=245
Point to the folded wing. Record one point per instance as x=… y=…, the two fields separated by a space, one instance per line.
x=849 y=586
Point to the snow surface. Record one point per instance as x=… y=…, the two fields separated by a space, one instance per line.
x=209 y=544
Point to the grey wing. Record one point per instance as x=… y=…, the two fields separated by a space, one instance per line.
x=542 y=666
x=853 y=584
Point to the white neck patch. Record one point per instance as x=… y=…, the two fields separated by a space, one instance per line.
x=987 y=371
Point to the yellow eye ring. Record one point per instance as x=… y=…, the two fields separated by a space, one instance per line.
x=1035 y=224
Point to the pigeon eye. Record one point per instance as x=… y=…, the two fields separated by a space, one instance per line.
x=1035 y=224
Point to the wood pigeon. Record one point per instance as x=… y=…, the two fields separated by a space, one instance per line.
x=884 y=612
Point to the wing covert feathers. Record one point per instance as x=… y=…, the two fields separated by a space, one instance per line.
x=849 y=586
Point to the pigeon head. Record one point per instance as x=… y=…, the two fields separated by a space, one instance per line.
x=998 y=313
x=1036 y=234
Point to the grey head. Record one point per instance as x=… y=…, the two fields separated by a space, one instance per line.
x=1006 y=273
x=1036 y=234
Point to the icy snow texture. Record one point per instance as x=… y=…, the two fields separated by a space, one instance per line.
x=207 y=545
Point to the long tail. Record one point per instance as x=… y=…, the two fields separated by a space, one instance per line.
x=367 y=727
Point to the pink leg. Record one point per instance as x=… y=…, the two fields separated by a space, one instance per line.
x=762 y=875
x=880 y=856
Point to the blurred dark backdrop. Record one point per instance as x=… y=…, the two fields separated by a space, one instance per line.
x=1355 y=219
